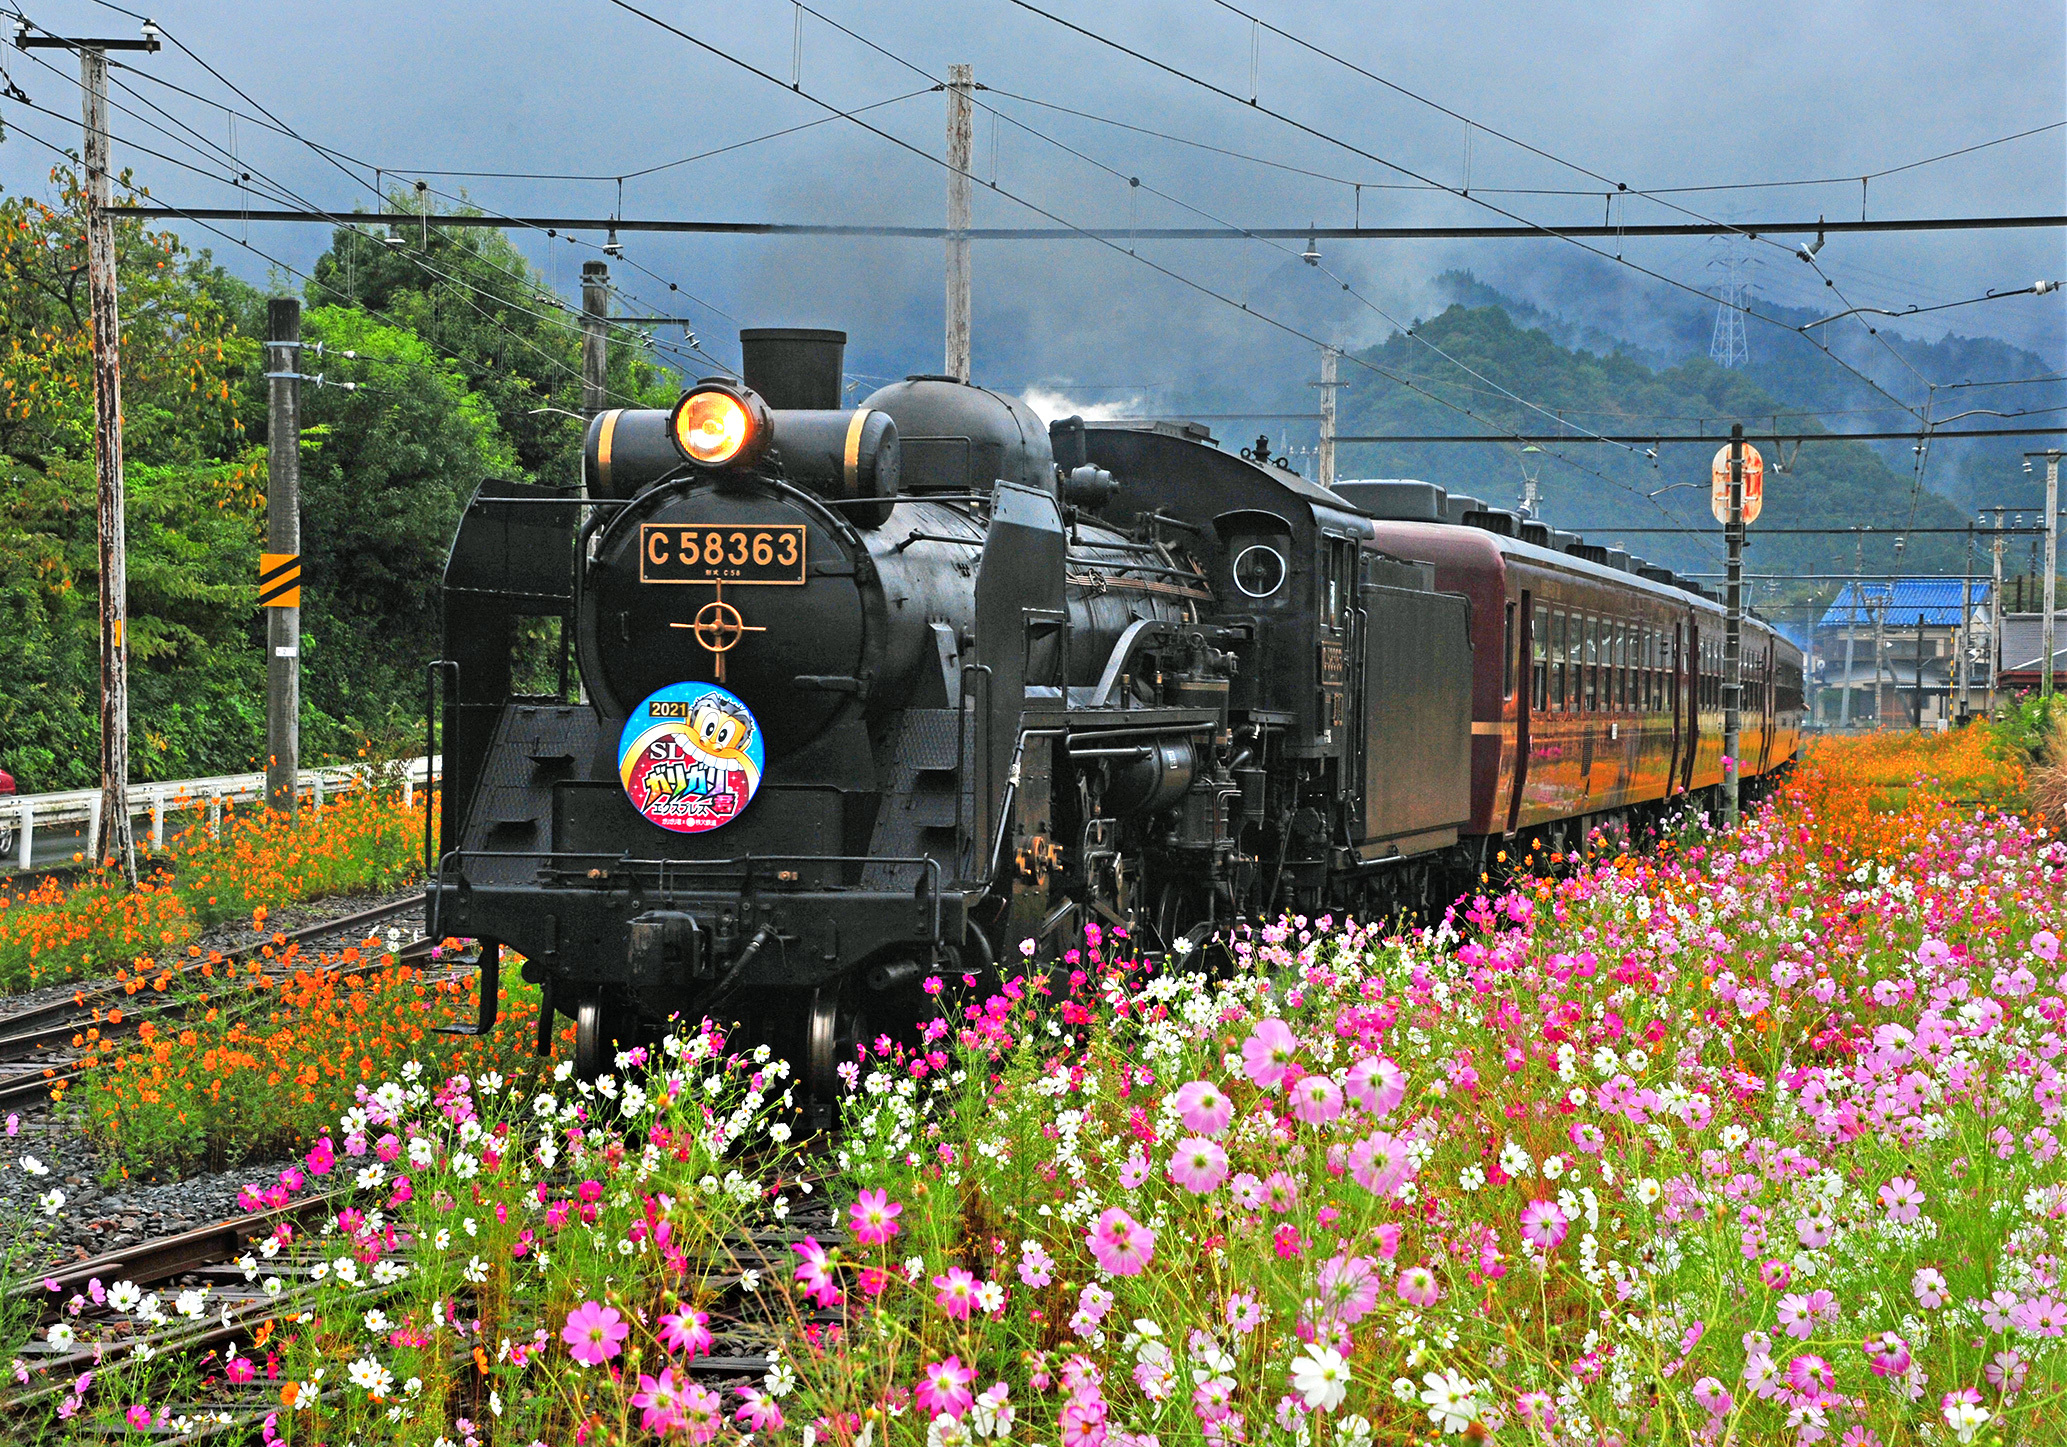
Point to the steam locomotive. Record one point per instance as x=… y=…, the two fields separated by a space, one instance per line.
x=851 y=696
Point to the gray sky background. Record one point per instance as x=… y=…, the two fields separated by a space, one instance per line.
x=1657 y=95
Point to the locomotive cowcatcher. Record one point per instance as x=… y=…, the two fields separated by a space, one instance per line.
x=851 y=697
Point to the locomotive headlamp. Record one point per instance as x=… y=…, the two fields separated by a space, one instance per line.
x=717 y=425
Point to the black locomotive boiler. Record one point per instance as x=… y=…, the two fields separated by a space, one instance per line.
x=858 y=695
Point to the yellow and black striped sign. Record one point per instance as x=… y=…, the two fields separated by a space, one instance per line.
x=279 y=580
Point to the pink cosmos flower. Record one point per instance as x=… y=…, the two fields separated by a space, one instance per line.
x=1247 y=1191
x=687 y=1330
x=1930 y=1288
x=1267 y=1051
x=1799 y=1313
x=758 y=1412
x=594 y=1333
x=1537 y=1409
x=1380 y=1164
x=1544 y=1225
x=1775 y=1275
x=2045 y=944
x=1376 y=1085
x=2005 y=1371
x=2040 y=1316
x=1588 y=1137
x=1203 y=1107
x=1316 y=1100
x=873 y=1219
x=816 y=1272
x=1036 y=1267
x=1417 y=1287
x=659 y=1400
x=1136 y=1170
x=239 y=1371
x=1903 y=1200
x=1713 y=1397
x=139 y=1416
x=1281 y=1192
x=1199 y=1165
x=1121 y=1245
x=957 y=1293
x=1887 y=1355
x=945 y=1388
x=1812 y=1377
x=1244 y=1314
x=1349 y=1288
x=701 y=1414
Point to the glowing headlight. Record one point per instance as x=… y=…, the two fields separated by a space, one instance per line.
x=716 y=427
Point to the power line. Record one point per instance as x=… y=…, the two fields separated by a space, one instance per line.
x=1507 y=190
x=1531 y=231
x=1191 y=283
x=1660 y=439
x=1565 y=234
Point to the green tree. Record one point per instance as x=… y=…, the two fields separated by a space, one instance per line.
x=195 y=489
x=470 y=294
x=386 y=470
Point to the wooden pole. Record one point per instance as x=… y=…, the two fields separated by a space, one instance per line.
x=117 y=839
x=1995 y=614
x=961 y=81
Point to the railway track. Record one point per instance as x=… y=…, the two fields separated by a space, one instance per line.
x=204 y=1261
x=50 y=1034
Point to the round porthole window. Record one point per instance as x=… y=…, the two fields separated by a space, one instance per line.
x=1259 y=570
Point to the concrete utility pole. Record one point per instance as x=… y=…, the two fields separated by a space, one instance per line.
x=961 y=83
x=279 y=574
x=1966 y=628
x=1844 y=703
x=115 y=838
x=1880 y=619
x=2052 y=566
x=1918 y=676
x=1995 y=616
x=1329 y=357
x=595 y=356
x=1733 y=630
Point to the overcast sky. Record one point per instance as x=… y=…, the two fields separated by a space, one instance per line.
x=1667 y=95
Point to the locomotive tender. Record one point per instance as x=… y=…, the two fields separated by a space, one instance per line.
x=866 y=694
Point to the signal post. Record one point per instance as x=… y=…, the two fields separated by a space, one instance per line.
x=1736 y=496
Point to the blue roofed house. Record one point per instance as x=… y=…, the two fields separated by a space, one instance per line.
x=1915 y=680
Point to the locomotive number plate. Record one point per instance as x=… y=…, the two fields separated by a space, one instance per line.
x=669 y=553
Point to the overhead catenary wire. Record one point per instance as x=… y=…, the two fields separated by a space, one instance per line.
x=420 y=262
x=1566 y=234
x=1189 y=282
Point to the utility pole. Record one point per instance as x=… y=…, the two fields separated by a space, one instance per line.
x=595 y=356
x=1733 y=630
x=2052 y=563
x=116 y=838
x=1918 y=676
x=1329 y=356
x=961 y=82
x=1880 y=620
x=1995 y=616
x=1966 y=626
x=1844 y=707
x=279 y=570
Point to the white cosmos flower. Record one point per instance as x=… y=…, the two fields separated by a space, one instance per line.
x=190 y=1304
x=1321 y=1377
x=1450 y=1399
x=124 y=1295
x=274 y=1286
x=52 y=1201
x=60 y=1338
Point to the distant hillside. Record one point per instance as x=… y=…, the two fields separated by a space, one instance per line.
x=1599 y=307
x=1608 y=492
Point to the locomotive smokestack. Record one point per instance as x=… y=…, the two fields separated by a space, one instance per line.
x=794 y=367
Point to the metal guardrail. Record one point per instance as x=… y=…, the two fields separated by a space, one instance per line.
x=69 y=823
